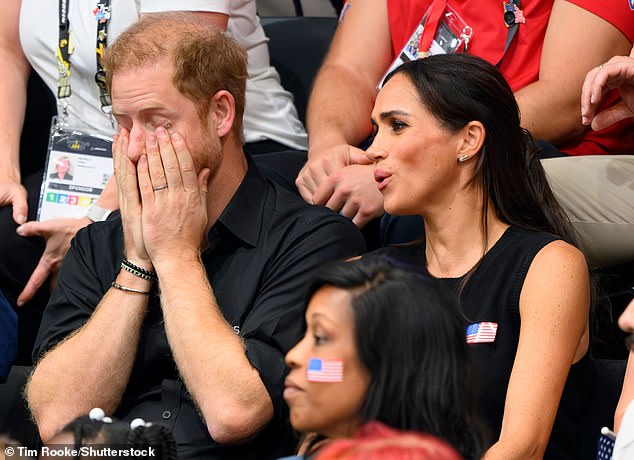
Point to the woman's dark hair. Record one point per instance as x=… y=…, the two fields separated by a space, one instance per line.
x=458 y=89
x=119 y=435
x=410 y=335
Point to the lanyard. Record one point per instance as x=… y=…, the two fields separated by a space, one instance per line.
x=513 y=16
x=436 y=10
x=65 y=49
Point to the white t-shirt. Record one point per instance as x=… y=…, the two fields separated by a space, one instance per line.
x=269 y=110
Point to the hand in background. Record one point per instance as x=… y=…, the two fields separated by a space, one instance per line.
x=57 y=233
x=618 y=73
x=341 y=178
x=14 y=194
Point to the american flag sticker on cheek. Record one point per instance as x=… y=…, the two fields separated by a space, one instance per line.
x=324 y=370
x=482 y=332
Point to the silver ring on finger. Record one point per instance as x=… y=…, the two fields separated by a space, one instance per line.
x=160 y=187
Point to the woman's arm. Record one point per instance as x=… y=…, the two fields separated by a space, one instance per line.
x=554 y=307
x=15 y=74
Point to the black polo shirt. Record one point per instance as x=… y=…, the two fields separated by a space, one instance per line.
x=263 y=250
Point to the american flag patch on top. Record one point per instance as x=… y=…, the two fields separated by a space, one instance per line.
x=482 y=332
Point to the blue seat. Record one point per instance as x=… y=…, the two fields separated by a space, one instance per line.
x=297 y=48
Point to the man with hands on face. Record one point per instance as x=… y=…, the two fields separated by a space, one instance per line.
x=180 y=312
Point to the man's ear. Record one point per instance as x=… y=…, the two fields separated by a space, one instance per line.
x=473 y=136
x=223 y=111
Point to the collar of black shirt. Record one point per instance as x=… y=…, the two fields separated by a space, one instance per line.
x=243 y=215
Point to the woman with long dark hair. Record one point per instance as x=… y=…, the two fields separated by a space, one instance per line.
x=448 y=146
x=382 y=344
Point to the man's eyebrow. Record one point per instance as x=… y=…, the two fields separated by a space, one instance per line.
x=148 y=110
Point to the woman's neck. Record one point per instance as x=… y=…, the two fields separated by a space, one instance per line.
x=455 y=239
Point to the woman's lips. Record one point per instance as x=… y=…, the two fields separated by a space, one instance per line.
x=382 y=178
x=290 y=389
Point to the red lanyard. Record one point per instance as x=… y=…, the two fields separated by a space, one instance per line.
x=431 y=24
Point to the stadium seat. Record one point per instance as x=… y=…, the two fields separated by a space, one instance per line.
x=297 y=48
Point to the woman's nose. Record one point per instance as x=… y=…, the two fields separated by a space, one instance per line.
x=375 y=152
x=626 y=320
x=293 y=357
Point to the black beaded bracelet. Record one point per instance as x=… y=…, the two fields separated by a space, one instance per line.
x=138 y=271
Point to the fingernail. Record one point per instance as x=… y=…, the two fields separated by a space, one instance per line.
x=20 y=303
x=161 y=132
x=176 y=137
x=19 y=230
x=21 y=219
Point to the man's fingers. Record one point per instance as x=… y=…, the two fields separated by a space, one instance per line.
x=33 y=228
x=358 y=157
x=127 y=179
x=611 y=115
x=185 y=163
x=588 y=94
x=35 y=282
x=170 y=168
x=361 y=218
x=306 y=187
x=324 y=192
x=304 y=190
x=350 y=210
x=309 y=179
x=143 y=177
x=155 y=163
x=336 y=202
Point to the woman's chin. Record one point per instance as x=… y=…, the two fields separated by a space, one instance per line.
x=394 y=208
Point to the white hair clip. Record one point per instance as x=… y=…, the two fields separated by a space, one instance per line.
x=137 y=422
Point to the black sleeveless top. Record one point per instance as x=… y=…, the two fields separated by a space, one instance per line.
x=492 y=295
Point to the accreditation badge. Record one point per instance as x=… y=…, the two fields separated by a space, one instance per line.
x=78 y=166
x=451 y=34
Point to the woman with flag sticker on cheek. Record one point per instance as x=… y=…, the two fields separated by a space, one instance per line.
x=449 y=147
x=381 y=344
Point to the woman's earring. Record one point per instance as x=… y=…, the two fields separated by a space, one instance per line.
x=463 y=158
